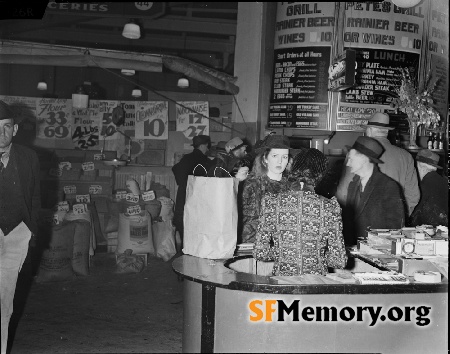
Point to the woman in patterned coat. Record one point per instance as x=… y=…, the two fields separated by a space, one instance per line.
x=298 y=229
x=266 y=176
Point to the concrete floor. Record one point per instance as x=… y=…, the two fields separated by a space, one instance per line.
x=104 y=312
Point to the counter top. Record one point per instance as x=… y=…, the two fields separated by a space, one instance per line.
x=216 y=273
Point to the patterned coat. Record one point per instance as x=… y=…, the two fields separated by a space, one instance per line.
x=302 y=232
x=253 y=191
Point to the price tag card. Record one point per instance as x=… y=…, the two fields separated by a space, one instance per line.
x=191 y=123
x=95 y=189
x=148 y=195
x=121 y=195
x=132 y=198
x=152 y=120
x=63 y=206
x=65 y=165
x=134 y=210
x=53 y=119
x=87 y=166
x=79 y=208
x=70 y=189
x=56 y=172
x=99 y=157
x=83 y=198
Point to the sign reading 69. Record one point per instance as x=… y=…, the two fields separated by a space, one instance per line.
x=53 y=118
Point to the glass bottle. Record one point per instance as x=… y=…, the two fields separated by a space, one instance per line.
x=435 y=142
x=441 y=142
x=430 y=141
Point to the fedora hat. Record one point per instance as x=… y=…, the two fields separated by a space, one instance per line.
x=428 y=157
x=8 y=112
x=378 y=120
x=273 y=141
x=369 y=147
x=234 y=144
x=200 y=140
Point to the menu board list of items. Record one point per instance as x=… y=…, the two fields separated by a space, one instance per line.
x=378 y=74
x=299 y=96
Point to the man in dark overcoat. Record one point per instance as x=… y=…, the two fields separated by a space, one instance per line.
x=374 y=200
x=184 y=168
x=19 y=208
x=433 y=205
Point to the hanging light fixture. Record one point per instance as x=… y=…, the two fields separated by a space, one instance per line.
x=136 y=92
x=131 y=30
x=79 y=98
x=406 y=3
x=128 y=72
x=183 y=82
x=42 y=85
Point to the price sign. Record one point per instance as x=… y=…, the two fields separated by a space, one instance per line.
x=133 y=210
x=83 y=198
x=56 y=172
x=191 y=118
x=86 y=124
x=65 y=165
x=152 y=120
x=79 y=208
x=95 y=189
x=63 y=206
x=99 y=157
x=53 y=119
x=148 y=195
x=70 y=189
x=121 y=195
x=87 y=166
x=107 y=127
x=132 y=198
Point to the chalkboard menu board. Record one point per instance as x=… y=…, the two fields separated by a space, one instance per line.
x=299 y=97
x=377 y=74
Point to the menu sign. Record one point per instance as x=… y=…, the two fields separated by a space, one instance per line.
x=299 y=96
x=378 y=74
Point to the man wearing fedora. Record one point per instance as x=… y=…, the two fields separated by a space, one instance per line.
x=235 y=151
x=433 y=206
x=397 y=163
x=184 y=168
x=374 y=200
x=19 y=207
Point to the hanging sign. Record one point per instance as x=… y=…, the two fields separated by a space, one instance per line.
x=85 y=128
x=53 y=118
x=107 y=127
x=191 y=123
x=152 y=120
x=341 y=74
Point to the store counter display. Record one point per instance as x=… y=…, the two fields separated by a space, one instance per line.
x=228 y=307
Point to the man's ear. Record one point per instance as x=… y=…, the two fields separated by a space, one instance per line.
x=15 y=129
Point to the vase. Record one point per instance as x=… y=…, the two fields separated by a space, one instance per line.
x=413 y=124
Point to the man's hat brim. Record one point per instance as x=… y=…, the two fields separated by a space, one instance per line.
x=364 y=151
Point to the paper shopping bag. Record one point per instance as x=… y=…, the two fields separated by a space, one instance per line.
x=210 y=217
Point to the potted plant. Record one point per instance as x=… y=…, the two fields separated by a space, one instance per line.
x=416 y=102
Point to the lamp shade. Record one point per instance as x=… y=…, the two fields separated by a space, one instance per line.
x=80 y=100
x=406 y=3
x=42 y=86
x=183 y=82
x=127 y=72
x=131 y=31
x=136 y=92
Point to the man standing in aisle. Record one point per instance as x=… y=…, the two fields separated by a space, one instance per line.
x=184 y=168
x=19 y=207
x=433 y=206
x=374 y=200
x=397 y=163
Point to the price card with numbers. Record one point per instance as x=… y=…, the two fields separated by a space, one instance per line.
x=53 y=118
x=152 y=120
x=132 y=198
x=65 y=165
x=99 y=157
x=191 y=118
x=95 y=189
x=121 y=195
x=56 y=172
x=134 y=210
x=85 y=129
x=148 y=195
x=83 y=198
x=88 y=166
x=63 y=206
x=79 y=208
x=107 y=126
x=72 y=189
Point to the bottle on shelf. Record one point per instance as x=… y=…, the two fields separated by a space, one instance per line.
x=441 y=141
x=430 y=141
x=398 y=139
x=435 y=141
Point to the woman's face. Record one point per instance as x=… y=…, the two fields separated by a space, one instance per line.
x=276 y=161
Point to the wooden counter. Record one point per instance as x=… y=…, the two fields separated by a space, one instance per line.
x=217 y=313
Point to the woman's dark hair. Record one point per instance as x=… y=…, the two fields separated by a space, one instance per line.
x=309 y=166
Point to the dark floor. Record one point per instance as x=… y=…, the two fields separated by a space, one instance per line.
x=104 y=312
